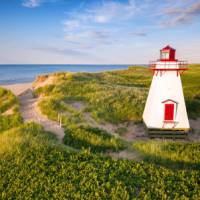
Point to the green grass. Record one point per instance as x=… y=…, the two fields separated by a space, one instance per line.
x=7 y=102
x=191 y=86
x=170 y=154
x=34 y=166
x=94 y=139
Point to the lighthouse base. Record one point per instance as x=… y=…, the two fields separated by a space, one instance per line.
x=168 y=133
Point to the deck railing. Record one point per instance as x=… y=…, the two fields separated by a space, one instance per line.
x=160 y=66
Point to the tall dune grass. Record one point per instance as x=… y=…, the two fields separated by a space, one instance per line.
x=9 y=102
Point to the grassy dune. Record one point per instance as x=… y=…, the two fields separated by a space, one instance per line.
x=111 y=96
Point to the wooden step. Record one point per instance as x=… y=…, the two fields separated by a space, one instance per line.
x=173 y=134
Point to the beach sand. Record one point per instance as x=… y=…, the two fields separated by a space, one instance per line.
x=18 y=89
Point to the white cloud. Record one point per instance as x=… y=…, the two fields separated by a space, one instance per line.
x=99 y=35
x=71 y=24
x=101 y=19
x=31 y=3
x=182 y=14
x=138 y=33
x=61 y=51
x=36 y=3
x=87 y=35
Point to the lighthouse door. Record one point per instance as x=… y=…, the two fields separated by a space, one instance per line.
x=169 y=112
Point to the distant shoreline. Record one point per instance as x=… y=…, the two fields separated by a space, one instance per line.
x=15 y=74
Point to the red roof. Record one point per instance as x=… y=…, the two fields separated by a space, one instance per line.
x=167 y=48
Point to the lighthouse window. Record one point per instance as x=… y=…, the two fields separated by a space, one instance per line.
x=165 y=55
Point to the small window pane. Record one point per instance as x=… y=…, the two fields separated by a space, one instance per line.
x=165 y=55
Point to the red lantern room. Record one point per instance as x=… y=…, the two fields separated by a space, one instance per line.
x=167 y=54
x=168 y=62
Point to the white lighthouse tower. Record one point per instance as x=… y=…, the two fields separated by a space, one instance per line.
x=165 y=110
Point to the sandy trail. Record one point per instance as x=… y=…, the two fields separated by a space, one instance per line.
x=29 y=112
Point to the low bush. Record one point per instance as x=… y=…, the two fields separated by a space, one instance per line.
x=95 y=139
x=8 y=102
x=10 y=121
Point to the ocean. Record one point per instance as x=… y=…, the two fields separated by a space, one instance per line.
x=12 y=74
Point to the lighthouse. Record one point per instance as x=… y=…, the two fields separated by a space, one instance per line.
x=165 y=110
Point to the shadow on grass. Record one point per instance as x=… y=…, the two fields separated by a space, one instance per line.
x=168 y=163
x=83 y=138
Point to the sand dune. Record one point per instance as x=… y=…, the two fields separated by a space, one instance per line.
x=18 y=89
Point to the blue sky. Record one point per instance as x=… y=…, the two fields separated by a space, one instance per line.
x=97 y=32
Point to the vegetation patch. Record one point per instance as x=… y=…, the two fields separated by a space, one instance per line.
x=95 y=139
x=191 y=86
x=110 y=96
x=8 y=102
x=170 y=154
x=34 y=166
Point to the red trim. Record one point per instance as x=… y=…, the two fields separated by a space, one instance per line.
x=169 y=122
x=170 y=59
x=169 y=100
x=168 y=48
x=180 y=64
x=168 y=69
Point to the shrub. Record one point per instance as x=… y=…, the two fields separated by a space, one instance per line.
x=94 y=139
x=9 y=101
x=10 y=121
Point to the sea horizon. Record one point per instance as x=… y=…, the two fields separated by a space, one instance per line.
x=25 y=73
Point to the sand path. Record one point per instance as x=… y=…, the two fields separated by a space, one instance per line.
x=29 y=112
